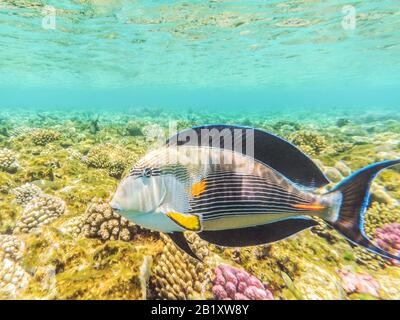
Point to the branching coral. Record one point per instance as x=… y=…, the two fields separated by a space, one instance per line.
x=309 y=142
x=40 y=211
x=8 y=161
x=176 y=276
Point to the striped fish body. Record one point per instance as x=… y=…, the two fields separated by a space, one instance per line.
x=235 y=199
x=224 y=188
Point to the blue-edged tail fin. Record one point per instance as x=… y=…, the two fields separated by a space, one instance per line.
x=354 y=201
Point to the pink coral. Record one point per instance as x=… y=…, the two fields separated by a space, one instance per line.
x=359 y=283
x=388 y=238
x=235 y=284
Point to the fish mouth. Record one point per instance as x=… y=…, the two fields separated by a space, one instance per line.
x=115 y=206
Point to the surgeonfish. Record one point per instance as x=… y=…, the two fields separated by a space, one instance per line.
x=204 y=180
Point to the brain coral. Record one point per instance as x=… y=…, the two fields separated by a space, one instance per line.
x=8 y=162
x=40 y=211
x=101 y=222
x=25 y=193
x=235 y=284
x=176 y=276
x=41 y=137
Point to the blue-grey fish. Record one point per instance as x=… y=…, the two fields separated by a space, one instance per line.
x=202 y=180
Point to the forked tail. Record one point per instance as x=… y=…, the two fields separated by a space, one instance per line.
x=354 y=201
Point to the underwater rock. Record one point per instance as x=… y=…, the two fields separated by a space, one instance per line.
x=176 y=276
x=285 y=128
x=388 y=238
x=316 y=283
x=42 y=137
x=343 y=168
x=101 y=222
x=135 y=128
x=358 y=283
x=231 y=283
x=40 y=211
x=333 y=174
x=293 y=23
x=342 y=122
x=64 y=267
x=325 y=231
x=25 y=193
x=379 y=194
x=8 y=161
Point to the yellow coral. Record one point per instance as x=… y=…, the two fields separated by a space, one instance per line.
x=309 y=142
x=41 y=137
x=176 y=276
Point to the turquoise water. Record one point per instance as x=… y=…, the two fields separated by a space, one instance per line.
x=199 y=54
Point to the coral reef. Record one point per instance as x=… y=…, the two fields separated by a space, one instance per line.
x=369 y=260
x=388 y=238
x=11 y=247
x=40 y=211
x=113 y=158
x=358 y=283
x=231 y=283
x=179 y=277
x=135 y=128
x=101 y=222
x=378 y=215
x=309 y=142
x=13 y=278
x=41 y=137
x=64 y=267
x=25 y=193
x=8 y=161
x=90 y=252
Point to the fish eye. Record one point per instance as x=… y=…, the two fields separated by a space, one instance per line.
x=147 y=172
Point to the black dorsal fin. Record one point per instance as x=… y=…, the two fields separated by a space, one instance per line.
x=269 y=149
x=258 y=235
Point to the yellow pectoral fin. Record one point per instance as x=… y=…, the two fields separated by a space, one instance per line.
x=189 y=222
